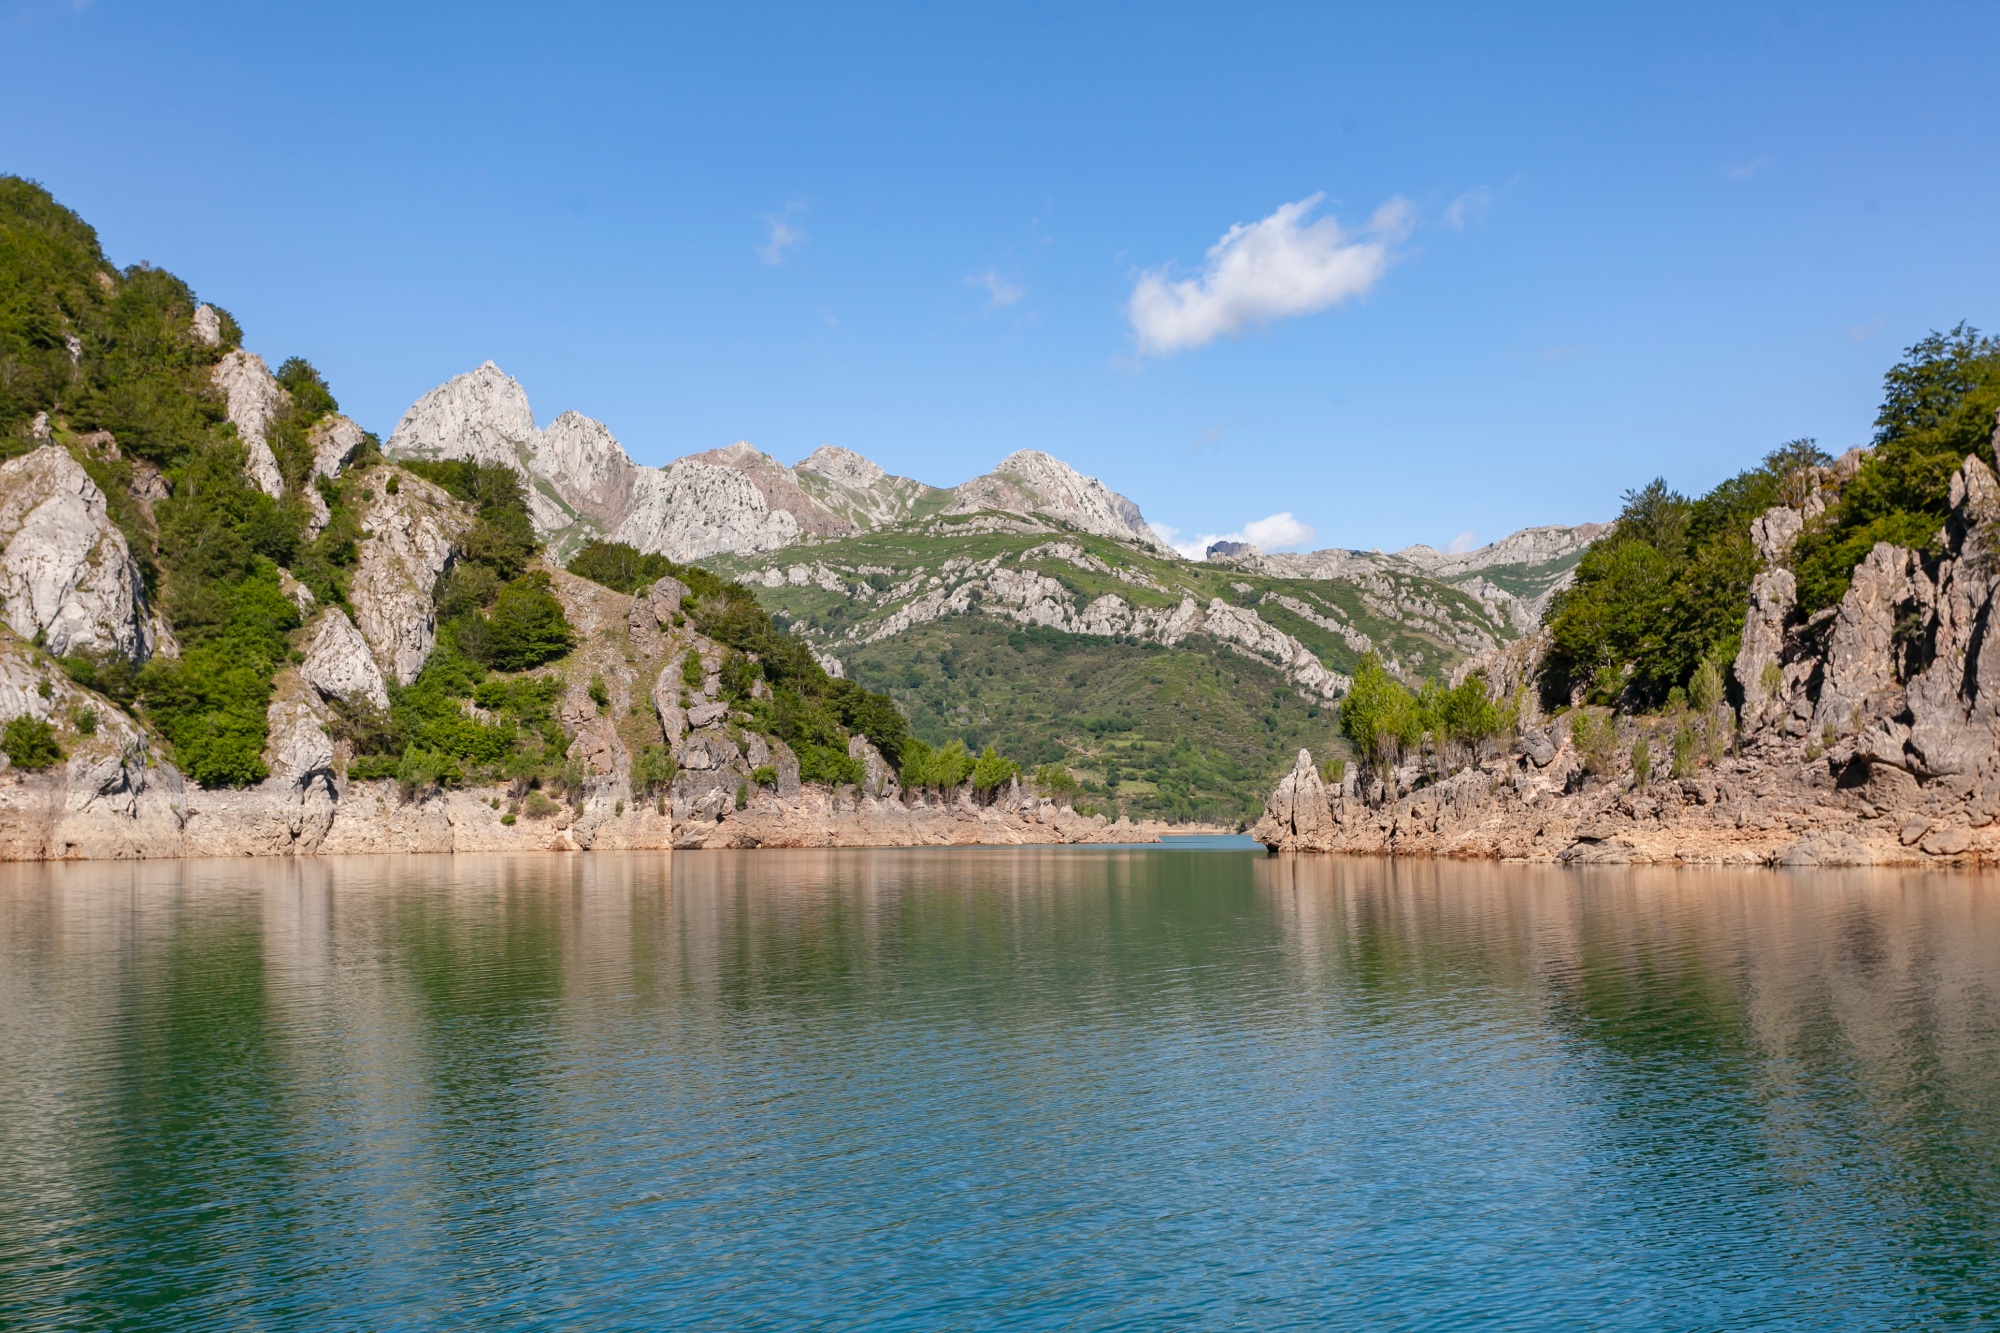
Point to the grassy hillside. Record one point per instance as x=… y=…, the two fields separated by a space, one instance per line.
x=1197 y=732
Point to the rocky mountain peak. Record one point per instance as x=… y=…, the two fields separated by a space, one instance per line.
x=1030 y=481
x=481 y=416
x=843 y=467
x=779 y=486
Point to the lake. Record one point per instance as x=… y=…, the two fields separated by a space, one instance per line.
x=1179 y=1087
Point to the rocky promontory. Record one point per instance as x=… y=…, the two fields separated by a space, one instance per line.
x=1864 y=734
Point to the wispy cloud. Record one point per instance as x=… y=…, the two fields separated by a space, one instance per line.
x=1463 y=542
x=1281 y=266
x=1861 y=333
x=1467 y=209
x=1276 y=533
x=783 y=235
x=999 y=292
x=1743 y=171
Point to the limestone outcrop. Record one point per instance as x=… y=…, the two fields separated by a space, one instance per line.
x=67 y=574
x=407 y=543
x=255 y=399
x=339 y=663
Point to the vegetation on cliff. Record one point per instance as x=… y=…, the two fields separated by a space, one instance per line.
x=1666 y=588
x=1938 y=405
x=1661 y=598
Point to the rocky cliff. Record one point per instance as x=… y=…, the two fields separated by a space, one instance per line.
x=68 y=578
x=1868 y=733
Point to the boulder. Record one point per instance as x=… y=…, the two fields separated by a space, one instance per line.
x=339 y=665
x=1860 y=660
x=66 y=571
x=878 y=778
x=1825 y=849
x=1773 y=593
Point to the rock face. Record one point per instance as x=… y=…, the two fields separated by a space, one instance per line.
x=1031 y=482
x=408 y=543
x=66 y=571
x=855 y=489
x=339 y=664
x=335 y=441
x=255 y=400
x=1870 y=734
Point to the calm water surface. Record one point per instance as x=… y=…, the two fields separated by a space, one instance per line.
x=1046 y=1088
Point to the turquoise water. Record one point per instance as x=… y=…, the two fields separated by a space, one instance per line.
x=1045 y=1088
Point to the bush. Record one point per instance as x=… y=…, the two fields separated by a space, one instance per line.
x=1379 y=715
x=653 y=770
x=1055 y=780
x=1596 y=738
x=30 y=743
x=764 y=775
x=1642 y=761
x=620 y=567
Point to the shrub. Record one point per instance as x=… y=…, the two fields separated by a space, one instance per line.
x=1055 y=780
x=538 y=806
x=30 y=743
x=764 y=775
x=85 y=721
x=653 y=770
x=1379 y=715
x=1642 y=761
x=599 y=694
x=1596 y=738
x=620 y=567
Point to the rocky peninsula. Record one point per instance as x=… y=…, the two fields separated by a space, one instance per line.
x=1867 y=733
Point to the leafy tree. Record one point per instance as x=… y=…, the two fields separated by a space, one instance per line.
x=1938 y=405
x=619 y=566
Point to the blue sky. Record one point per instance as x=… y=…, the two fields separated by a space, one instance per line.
x=1619 y=241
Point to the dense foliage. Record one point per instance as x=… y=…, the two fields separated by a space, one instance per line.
x=1192 y=733
x=1938 y=406
x=1666 y=588
x=620 y=567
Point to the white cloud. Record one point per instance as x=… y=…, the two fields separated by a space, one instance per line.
x=783 y=236
x=1463 y=542
x=1260 y=271
x=999 y=291
x=1744 y=171
x=1467 y=209
x=1275 y=533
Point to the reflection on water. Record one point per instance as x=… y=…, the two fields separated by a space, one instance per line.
x=1022 y=1088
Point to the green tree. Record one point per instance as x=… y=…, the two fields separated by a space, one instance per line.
x=1938 y=406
